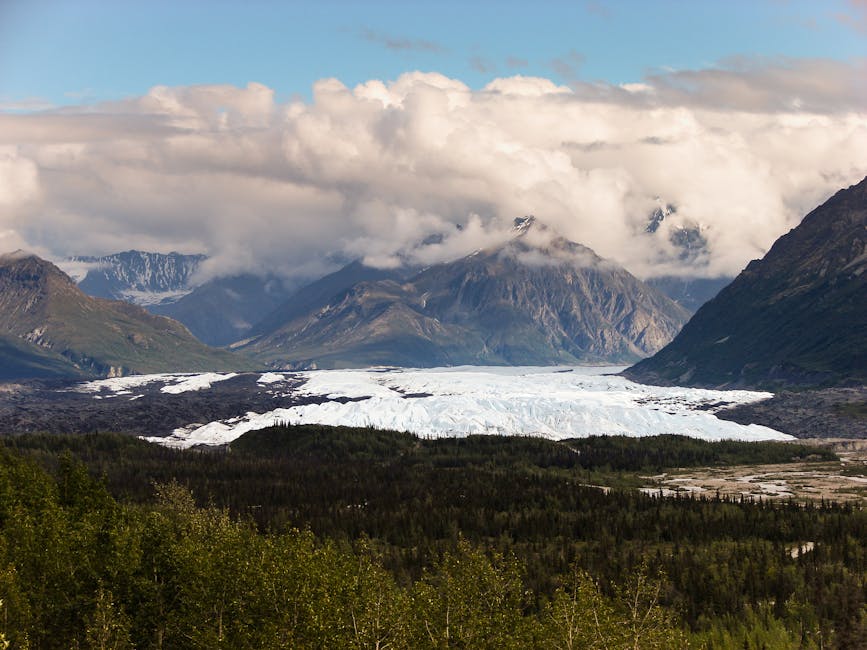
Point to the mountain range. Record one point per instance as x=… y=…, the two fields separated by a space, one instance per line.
x=136 y=276
x=223 y=310
x=537 y=299
x=797 y=317
x=49 y=327
x=218 y=311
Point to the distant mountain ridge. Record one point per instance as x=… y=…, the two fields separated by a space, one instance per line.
x=537 y=299
x=223 y=310
x=49 y=327
x=319 y=292
x=689 y=292
x=690 y=289
x=217 y=311
x=139 y=277
x=228 y=310
x=796 y=317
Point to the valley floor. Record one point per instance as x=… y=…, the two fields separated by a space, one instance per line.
x=842 y=481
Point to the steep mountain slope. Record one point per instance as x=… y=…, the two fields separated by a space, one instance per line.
x=41 y=308
x=139 y=277
x=317 y=294
x=798 y=316
x=538 y=299
x=222 y=310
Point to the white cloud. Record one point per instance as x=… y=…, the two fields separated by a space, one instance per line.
x=19 y=183
x=375 y=170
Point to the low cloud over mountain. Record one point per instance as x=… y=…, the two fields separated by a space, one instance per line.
x=428 y=169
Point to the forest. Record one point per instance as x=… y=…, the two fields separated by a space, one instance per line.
x=321 y=537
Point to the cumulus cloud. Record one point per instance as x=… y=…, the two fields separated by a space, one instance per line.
x=779 y=85
x=425 y=169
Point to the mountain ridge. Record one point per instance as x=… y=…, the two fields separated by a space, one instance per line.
x=538 y=299
x=796 y=317
x=141 y=277
x=45 y=317
x=224 y=309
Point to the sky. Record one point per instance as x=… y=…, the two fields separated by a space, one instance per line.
x=290 y=136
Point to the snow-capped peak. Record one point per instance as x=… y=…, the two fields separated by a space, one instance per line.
x=523 y=224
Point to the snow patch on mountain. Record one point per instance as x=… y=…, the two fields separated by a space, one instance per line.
x=139 y=277
x=556 y=403
x=76 y=268
x=147 y=298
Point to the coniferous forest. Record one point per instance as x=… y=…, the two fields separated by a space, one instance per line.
x=318 y=537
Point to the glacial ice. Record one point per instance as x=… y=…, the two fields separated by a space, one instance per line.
x=174 y=383
x=555 y=402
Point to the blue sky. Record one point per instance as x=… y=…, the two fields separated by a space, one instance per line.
x=65 y=52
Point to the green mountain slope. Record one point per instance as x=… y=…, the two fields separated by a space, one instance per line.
x=796 y=317
x=48 y=317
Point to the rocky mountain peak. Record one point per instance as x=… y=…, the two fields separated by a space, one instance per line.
x=19 y=254
x=22 y=272
x=535 y=243
x=537 y=299
x=654 y=221
x=522 y=224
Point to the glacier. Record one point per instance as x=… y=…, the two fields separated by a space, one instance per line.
x=552 y=402
x=174 y=384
